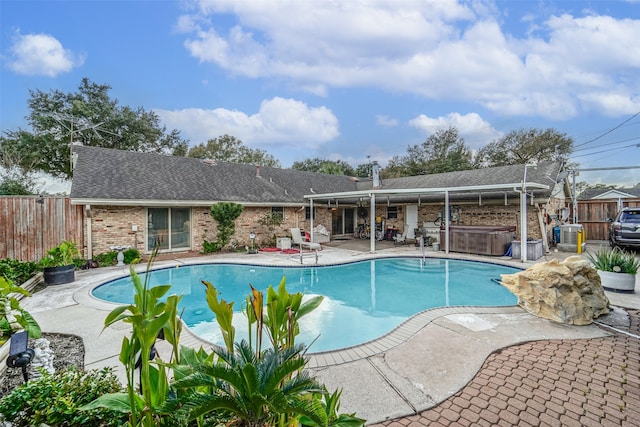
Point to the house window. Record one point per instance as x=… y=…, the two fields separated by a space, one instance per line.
x=307 y=213
x=392 y=212
x=278 y=210
x=168 y=228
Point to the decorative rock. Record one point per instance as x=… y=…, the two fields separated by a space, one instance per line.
x=42 y=359
x=567 y=292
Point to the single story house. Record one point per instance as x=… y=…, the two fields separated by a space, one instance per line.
x=144 y=199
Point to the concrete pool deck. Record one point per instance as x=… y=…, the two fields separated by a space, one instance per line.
x=421 y=364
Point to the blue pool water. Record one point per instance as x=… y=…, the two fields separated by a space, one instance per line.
x=363 y=300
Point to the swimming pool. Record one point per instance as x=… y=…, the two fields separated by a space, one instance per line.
x=363 y=301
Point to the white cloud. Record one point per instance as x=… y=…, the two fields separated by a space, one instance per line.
x=41 y=55
x=279 y=122
x=475 y=131
x=386 y=121
x=454 y=50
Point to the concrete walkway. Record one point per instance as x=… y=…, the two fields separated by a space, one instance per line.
x=425 y=362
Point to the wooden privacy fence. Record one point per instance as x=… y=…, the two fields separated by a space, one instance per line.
x=593 y=214
x=31 y=225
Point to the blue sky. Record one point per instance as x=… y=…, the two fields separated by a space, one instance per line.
x=348 y=80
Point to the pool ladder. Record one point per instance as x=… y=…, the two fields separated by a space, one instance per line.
x=424 y=255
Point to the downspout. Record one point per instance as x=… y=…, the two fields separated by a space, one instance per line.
x=87 y=216
x=311 y=215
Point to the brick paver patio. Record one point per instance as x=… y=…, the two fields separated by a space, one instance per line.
x=549 y=383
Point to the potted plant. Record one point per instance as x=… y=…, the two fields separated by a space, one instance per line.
x=617 y=268
x=58 y=265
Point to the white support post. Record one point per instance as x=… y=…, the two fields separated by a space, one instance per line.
x=372 y=224
x=447 y=219
x=523 y=217
x=523 y=226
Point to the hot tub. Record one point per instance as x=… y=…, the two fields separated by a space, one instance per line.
x=479 y=239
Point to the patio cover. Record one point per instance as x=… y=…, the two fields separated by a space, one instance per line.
x=372 y=194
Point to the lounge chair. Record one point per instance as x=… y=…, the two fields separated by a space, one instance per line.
x=296 y=239
x=401 y=239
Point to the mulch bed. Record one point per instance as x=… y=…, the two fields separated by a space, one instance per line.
x=68 y=351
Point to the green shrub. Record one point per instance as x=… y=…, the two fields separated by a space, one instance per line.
x=106 y=259
x=131 y=256
x=110 y=258
x=54 y=400
x=18 y=271
x=209 y=247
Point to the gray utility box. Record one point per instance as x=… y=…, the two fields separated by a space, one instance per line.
x=569 y=238
x=534 y=249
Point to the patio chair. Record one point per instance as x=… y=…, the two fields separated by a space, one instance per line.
x=296 y=239
x=401 y=239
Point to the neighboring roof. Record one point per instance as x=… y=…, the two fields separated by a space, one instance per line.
x=106 y=176
x=610 y=193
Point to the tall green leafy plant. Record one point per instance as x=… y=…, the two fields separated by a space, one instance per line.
x=149 y=316
x=224 y=314
x=14 y=318
x=225 y=214
x=253 y=386
x=283 y=312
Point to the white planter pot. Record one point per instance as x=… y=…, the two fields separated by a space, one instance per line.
x=617 y=281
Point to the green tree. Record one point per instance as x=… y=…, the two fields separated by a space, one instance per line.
x=444 y=151
x=228 y=148
x=89 y=117
x=226 y=213
x=16 y=176
x=363 y=170
x=319 y=165
x=524 y=145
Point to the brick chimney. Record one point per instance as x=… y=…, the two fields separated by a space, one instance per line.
x=375 y=170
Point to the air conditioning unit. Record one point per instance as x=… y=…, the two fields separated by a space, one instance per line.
x=569 y=233
x=569 y=237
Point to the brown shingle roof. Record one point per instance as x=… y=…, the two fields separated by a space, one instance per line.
x=106 y=174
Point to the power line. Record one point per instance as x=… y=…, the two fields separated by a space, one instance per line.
x=609 y=131
x=607 y=151
x=610 y=143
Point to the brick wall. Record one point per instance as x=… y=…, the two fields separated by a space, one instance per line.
x=113 y=225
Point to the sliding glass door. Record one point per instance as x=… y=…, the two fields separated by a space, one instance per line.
x=168 y=228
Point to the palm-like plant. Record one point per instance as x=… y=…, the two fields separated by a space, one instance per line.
x=258 y=390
